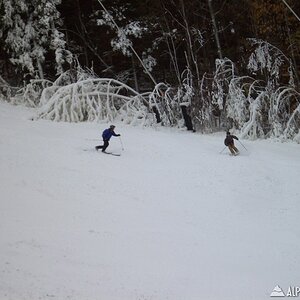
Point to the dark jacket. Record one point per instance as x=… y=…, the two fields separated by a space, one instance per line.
x=108 y=133
x=229 y=139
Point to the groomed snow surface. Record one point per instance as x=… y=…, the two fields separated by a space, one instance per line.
x=171 y=218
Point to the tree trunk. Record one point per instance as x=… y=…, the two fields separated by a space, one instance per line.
x=136 y=84
x=212 y=14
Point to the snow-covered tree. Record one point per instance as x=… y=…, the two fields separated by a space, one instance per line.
x=30 y=32
x=260 y=105
x=77 y=96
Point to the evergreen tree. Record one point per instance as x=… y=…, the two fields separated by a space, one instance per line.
x=30 y=33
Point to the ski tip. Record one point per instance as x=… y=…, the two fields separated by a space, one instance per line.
x=111 y=153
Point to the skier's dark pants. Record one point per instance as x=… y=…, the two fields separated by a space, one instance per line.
x=105 y=145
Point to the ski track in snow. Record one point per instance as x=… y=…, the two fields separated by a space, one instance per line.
x=171 y=218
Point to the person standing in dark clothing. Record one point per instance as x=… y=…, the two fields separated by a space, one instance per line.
x=106 y=135
x=229 y=142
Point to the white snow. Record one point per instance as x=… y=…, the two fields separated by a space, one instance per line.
x=171 y=218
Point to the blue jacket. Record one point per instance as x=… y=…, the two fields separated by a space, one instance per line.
x=107 y=134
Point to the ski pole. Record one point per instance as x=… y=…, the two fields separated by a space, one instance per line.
x=121 y=143
x=223 y=149
x=243 y=145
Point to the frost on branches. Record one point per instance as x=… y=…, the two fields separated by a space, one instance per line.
x=168 y=102
x=209 y=102
x=93 y=99
x=133 y=29
x=259 y=106
x=29 y=31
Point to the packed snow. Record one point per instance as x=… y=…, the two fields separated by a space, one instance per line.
x=171 y=218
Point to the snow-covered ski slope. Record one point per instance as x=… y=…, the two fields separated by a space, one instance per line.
x=171 y=218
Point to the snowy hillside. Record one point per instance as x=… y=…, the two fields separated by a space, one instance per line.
x=171 y=218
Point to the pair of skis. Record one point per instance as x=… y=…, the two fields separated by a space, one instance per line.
x=111 y=153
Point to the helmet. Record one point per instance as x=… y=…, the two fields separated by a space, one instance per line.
x=227 y=133
x=112 y=126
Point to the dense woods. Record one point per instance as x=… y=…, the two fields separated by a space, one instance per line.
x=206 y=64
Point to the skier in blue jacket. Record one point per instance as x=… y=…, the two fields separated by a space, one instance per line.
x=106 y=135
